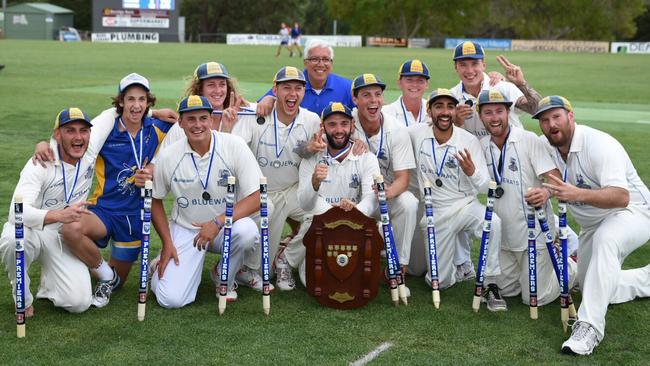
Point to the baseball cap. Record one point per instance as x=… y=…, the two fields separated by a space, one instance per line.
x=492 y=96
x=550 y=102
x=439 y=93
x=365 y=80
x=194 y=103
x=469 y=49
x=336 y=107
x=133 y=79
x=414 y=68
x=289 y=73
x=70 y=115
x=211 y=70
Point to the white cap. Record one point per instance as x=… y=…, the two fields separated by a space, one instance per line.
x=133 y=79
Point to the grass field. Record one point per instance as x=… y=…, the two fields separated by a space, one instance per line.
x=610 y=92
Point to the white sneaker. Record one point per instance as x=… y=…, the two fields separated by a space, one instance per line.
x=215 y=276
x=250 y=278
x=493 y=299
x=284 y=280
x=104 y=289
x=153 y=266
x=583 y=340
x=465 y=272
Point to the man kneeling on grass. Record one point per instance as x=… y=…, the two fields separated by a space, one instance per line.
x=196 y=171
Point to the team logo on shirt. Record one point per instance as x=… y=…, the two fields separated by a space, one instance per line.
x=223 y=177
x=356 y=182
x=182 y=202
x=451 y=163
x=262 y=161
x=513 y=164
x=89 y=173
x=300 y=146
x=581 y=182
x=51 y=202
x=126 y=179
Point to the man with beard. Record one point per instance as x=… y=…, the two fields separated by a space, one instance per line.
x=611 y=204
x=322 y=86
x=289 y=134
x=390 y=143
x=196 y=170
x=445 y=156
x=410 y=107
x=337 y=178
x=518 y=162
x=53 y=197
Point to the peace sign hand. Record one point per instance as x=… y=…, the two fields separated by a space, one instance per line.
x=514 y=74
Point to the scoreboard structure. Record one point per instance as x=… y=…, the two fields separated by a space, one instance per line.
x=137 y=20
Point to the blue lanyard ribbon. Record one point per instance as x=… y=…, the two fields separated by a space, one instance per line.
x=406 y=119
x=136 y=156
x=329 y=157
x=207 y=177
x=65 y=184
x=277 y=138
x=435 y=161
x=498 y=170
x=378 y=153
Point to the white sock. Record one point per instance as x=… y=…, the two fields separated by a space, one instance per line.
x=103 y=272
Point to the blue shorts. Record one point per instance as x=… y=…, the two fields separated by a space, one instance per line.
x=124 y=230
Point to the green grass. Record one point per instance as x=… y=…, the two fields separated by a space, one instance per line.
x=609 y=92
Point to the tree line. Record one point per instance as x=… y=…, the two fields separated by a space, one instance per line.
x=605 y=20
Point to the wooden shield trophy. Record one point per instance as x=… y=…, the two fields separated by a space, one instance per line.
x=343 y=258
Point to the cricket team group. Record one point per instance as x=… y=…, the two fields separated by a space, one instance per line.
x=320 y=139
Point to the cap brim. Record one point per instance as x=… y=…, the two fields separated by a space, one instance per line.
x=473 y=57
x=414 y=74
x=211 y=76
x=132 y=84
x=337 y=112
x=431 y=100
x=198 y=108
x=381 y=85
x=75 y=120
x=495 y=102
x=546 y=108
x=290 y=79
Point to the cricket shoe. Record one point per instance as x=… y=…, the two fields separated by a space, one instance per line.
x=284 y=280
x=153 y=266
x=583 y=340
x=465 y=272
x=215 y=276
x=493 y=299
x=250 y=278
x=104 y=289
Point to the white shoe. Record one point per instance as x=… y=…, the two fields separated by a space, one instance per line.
x=583 y=340
x=493 y=299
x=104 y=289
x=153 y=266
x=465 y=272
x=215 y=276
x=284 y=280
x=250 y=278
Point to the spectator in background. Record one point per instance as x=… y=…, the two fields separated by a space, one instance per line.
x=294 y=44
x=323 y=87
x=284 y=41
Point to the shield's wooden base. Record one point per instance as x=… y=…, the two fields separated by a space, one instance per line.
x=343 y=258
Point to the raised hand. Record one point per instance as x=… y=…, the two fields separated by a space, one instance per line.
x=465 y=162
x=513 y=72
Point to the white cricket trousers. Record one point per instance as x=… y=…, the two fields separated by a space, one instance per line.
x=180 y=283
x=463 y=216
x=514 y=275
x=601 y=253
x=65 y=280
x=403 y=212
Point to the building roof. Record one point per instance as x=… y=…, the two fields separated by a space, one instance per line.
x=38 y=8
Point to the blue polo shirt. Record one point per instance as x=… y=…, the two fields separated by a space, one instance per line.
x=337 y=89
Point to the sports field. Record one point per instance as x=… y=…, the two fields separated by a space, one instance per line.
x=610 y=92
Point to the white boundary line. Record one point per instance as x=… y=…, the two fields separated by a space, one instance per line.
x=372 y=354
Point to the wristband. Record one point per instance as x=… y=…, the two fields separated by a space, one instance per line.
x=218 y=223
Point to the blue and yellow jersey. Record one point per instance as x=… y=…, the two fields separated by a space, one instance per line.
x=116 y=164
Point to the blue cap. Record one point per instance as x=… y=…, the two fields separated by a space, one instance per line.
x=133 y=79
x=71 y=115
x=469 y=49
x=289 y=73
x=365 y=80
x=554 y=101
x=194 y=103
x=414 y=68
x=211 y=70
x=439 y=93
x=335 y=107
x=492 y=96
